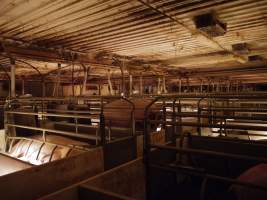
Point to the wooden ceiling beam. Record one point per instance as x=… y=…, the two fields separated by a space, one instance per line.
x=26 y=51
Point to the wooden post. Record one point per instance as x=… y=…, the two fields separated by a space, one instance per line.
x=164 y=84
x=218 y=87
x=131 y=85
x=84 y=81
x=122 y=80
x=43 y=88
x=72 y=80
x=187 y=83
x=56 y=84
x=13 y=77
x=180 y=85
x=201 y=86
x=141 y=85
x=99 y=89
x=110 y=84
x=23 y=87
x=159 y=89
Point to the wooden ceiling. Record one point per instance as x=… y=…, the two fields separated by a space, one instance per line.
x=149 y=37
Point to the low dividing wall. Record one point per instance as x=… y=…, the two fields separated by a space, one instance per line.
x=124 y=182
x=38 y=181
x=119 y=152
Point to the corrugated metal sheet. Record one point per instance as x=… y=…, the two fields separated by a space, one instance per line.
x=131 y=28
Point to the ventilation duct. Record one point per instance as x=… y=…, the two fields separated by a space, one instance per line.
x=255 y=58
x=209 y=24
x=240 y=48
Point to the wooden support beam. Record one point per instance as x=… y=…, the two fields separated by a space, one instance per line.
x=131 y=85
x=123 y=88
x=27 y=51
x=23 y=87
x=159 y=86
x=99 y=89
x=141 y=84
x=57 y=83
x=201 y=86
x=82 y=92
x=110 y=84
x=43 y=89
x=164 y=84
x=13 y=77
x=180 y=85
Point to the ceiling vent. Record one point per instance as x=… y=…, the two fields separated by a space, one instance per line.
x=209 y=24
x=240 y=48
x=255 y=58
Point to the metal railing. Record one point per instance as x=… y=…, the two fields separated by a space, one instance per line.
x=40 y=110
x=203 y=110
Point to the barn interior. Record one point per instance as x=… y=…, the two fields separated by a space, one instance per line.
x=133 y=99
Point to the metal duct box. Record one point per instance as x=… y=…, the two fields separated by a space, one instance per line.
x=255 y=58
x=209 y=24
x=240 y=48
